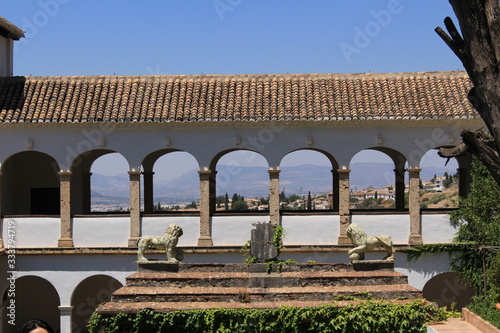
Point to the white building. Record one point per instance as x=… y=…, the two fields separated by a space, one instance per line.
x=67 y=260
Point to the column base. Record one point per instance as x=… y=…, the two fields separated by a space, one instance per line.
x=415 y=240
x=65 y=242
x=205 y=241
x=132 y=241
x=344 y=240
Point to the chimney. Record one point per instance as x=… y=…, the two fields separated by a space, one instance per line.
x=8 y=34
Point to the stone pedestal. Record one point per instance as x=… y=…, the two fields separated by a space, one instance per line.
x=373 y=265
x=261 y=242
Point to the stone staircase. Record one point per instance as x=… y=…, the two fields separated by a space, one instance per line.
x=168 y=287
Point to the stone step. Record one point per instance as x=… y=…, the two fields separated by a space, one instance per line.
x=113 y=308
x=160 y=266
x=244 y=295
x=284 y=279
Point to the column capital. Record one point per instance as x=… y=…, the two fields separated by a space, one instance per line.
x=148 y=173
x=65 y=308
x=414 y=172
x=274 y=172
x=206 y=174
x=64 y=175
x=134 y=175
x=343 y=173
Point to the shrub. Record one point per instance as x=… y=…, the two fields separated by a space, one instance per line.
x=367 y=316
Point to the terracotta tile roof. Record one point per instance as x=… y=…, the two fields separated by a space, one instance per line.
x=9 y=30
x=219 y=98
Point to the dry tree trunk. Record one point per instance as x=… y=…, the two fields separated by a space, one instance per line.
x=478 y=47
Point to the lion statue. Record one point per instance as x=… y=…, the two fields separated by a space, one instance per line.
x=364 y=243
x=167 y=242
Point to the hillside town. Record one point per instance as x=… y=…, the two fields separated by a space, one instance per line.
x=438 y=192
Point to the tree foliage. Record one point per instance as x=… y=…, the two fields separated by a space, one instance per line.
x=478 y=221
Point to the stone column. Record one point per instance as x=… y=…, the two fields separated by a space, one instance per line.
x=135 y=207
x=399 y=188
x=66 y=239
x=414 y=207
x=274 y=196
x=148 y=191
x=335 y=192
x=86 y=192
x=207 y=179
x=345 y=218
x=65 y=318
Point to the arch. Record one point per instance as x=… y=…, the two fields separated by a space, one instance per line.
x=177 y=163
x=31 y=184
x=313 y=164
x=215 y=160
x=330 y=157
x=446 y=289
x=35 y=297
x=87 y=295
x=387 y=188
x=230 y=168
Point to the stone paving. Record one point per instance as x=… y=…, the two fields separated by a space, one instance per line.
x=453 y=325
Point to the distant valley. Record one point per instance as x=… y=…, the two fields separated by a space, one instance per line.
x=254 y=181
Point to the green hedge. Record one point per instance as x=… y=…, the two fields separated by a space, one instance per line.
x=486 y=309
x=367 y=316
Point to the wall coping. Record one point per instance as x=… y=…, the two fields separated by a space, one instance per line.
x=187 y=250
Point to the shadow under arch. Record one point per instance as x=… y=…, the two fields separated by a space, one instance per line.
x=148 y=165
x=87 y=295
x=334 y=199
x=31 y=184
x=400 y=163
x=35 y=297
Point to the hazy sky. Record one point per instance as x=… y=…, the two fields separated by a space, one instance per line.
x=132 y=37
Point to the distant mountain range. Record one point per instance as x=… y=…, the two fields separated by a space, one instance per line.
x=254 y=181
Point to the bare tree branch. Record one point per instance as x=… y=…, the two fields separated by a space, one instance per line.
x=477 y=45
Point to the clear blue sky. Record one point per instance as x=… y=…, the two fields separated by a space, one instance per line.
x=125 y=37
x=132 y=37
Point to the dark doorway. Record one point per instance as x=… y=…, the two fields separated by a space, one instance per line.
x=45 y=201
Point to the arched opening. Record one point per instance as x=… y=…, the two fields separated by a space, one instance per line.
x=171 y=182
x=306 y=181
x=447 y=289
x=109 y=184
x=87 y=296
x=242 y=181
x=30 y=185
x=34 y=297
x=377 y=180
x=439 y=182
